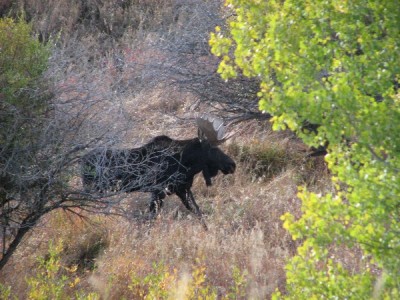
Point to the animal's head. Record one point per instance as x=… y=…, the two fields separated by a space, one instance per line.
x=211 y=132
x=217 y=160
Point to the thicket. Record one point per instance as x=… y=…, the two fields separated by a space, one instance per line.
x=153 y=44
x=44 y=126
x=337 y=65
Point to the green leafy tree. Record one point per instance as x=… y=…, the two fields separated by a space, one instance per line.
x=334 y=64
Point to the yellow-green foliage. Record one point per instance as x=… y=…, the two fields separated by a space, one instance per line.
x=164 y=283
x=5 y=292
x=22 y=58
x=53 y=280
x=336 y=64
x=47 y=283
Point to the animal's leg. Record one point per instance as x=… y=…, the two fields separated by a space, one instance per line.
x=156 y=202
x=207 y=176
x=188 y=200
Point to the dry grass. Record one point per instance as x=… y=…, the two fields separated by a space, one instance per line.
x=245 y=231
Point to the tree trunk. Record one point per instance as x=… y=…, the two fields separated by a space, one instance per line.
x=26 y=225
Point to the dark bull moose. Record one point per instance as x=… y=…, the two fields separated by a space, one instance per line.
x=162 y=167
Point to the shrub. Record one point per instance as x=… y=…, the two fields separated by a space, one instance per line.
x=22 y=59
x=336 y=65
x=161 y=283
x=263 y=160
x=23 y=110
x=53 y=280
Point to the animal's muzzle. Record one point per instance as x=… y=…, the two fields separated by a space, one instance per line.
x=229 y=169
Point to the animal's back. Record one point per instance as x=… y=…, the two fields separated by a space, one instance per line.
x=161 y=163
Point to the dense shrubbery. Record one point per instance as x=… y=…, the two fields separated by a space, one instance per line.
x=335 y=65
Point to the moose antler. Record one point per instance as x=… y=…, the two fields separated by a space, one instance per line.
x=212 y=129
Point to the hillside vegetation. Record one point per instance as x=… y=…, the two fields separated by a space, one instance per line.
x=115 y=74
